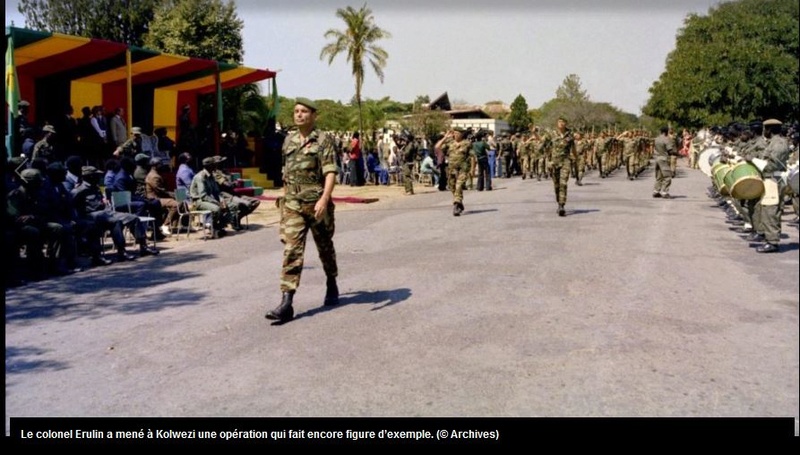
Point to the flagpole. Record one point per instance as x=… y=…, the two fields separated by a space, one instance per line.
x=12 y=94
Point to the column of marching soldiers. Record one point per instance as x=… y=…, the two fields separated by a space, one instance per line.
x=527 y=154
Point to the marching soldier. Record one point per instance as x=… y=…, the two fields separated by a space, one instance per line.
x=561 y=151
x=309 y=175
x=665 y=147
x=456 y=148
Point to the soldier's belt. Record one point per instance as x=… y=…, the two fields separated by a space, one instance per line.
x=297 y=188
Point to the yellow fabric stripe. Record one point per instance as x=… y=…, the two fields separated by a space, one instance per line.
x=209 y=80
x=47 y=47
x=141 y=67
x=85 y=94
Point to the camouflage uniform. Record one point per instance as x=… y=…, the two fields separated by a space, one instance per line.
x=561 y=151
x=458 y=161
x=408 y=156
x=629 y=155
x=44 y=150
x=306 y=163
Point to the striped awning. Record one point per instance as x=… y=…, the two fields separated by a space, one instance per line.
x=40 y=54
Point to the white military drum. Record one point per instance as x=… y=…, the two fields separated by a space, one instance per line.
x=708 y=158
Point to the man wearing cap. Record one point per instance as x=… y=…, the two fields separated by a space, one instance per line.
x=777 y=155
x=205 y=195
x=664 y=148
x=45 y=148
x=132 y=146
x=562 y=149
x=90 y=204
x=455 y=147
x=29 y=217
x=240 y=206
x=408 y=158
x=309 y=175
x=156 y=190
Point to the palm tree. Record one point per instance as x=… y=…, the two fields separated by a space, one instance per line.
x=358 y=41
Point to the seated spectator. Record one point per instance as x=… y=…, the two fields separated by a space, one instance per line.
x=45 y=149
x=155 y=189
x=30 y=221
x=80 y=233
x=73 y=177
x=373 y=166
x=90 y=204
x=140 y=205
x=205 y=195
x=428 y=167
x=240 y=206
x=112 y=167
x=140 y=173
x=166 y=146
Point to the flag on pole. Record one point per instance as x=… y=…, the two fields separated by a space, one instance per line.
x=12 y=93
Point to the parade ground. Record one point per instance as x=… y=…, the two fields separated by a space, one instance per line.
x=629 y=306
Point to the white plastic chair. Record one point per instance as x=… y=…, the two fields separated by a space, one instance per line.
x=123 y=198
x=185 y=210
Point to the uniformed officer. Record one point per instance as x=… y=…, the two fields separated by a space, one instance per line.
x=561 y=150
x=45 y=148
x=309 y=175
x=664 y=148
x=777 y=155
x=132 y=146
x=455 y=146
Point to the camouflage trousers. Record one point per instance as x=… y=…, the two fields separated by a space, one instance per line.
x=579 y=167
x=456 y=178
x=630 y=165
x=294 y=229
x=408 y=177
x=560 y=174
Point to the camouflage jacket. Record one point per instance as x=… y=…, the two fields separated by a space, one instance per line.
x=305 y=164
x=562 y=147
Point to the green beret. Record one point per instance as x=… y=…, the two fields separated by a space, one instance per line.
x=307 y=103
x=564 y=118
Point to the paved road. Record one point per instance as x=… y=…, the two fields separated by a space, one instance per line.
x=628 y=306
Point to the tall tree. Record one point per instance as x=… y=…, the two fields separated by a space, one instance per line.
x=208 y=29
x=124 y=21
x=519 y=119
x=734 y=64
x=571 y=90
x=357 y=40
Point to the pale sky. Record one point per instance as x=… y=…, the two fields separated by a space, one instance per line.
x=476 y=50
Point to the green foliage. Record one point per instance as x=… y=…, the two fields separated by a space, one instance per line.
x=357 y=41
x=518 y=119
x=426 y=123
x=124 y=21
x=205 y=29
x=570 y=90
x=737 y=63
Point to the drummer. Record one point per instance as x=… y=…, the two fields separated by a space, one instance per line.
x=777 y=155
x=753 y=148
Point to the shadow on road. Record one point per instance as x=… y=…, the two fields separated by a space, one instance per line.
x=475 y=212
x=581 y=211
x=380 y=300
x=29 y=360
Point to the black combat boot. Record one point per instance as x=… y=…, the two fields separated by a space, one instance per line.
x=284 y=312
x=561 y=211
x=332 y=292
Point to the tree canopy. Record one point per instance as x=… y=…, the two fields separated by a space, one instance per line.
x=737 y=63
x=125 y=21
x=357 y=41
x=518 y=119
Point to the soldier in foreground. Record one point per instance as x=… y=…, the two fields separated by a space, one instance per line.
x=309 y=174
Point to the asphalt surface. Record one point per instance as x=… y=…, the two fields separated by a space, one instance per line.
x=628 y=306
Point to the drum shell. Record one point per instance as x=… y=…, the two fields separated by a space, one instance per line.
x=744 y=182
x=794 y=181
x=720 y=170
